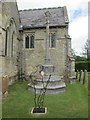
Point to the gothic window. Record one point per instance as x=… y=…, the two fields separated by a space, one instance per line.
x=27 y=42
x=7 y=36
x=52 y=40
x=6 y=43
x=12 y=44
x=32 y=41
x=12 y=47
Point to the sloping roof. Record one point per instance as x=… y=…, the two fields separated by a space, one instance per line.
x=34 y=18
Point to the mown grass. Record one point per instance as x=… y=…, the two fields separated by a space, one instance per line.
x=71 y=104
x=89 y=83
x=0 y=109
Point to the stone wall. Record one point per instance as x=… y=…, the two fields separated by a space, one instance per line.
x=0 y=54
x=12 y=59
x=10 y=24
x=35 y=56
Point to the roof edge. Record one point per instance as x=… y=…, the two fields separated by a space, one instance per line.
x=66 y=15
x=27 y=27
x=40 y=9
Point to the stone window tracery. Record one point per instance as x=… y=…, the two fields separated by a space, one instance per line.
x=29 y=41
x=6 y=42
x=10 y=38
x=32 y=41
x=12 y=44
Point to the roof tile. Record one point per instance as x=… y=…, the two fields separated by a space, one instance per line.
x=36 y=17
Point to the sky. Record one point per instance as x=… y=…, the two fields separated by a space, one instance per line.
x=77 y=13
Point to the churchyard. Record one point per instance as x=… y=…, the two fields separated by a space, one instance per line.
x=36 y=41
x=73 y=103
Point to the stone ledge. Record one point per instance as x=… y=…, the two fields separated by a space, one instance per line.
x=49 y=87
x=49 y=92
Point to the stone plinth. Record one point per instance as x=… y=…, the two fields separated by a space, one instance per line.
x=48 y=69
x=55 y=86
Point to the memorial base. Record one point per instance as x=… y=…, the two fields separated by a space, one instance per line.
x=39 y=111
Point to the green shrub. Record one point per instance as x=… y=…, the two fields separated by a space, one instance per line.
x=82 y=65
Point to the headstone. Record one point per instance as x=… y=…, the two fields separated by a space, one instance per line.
x=84 y=76
x=5 y=83
x=80 y=76
x=77 y=75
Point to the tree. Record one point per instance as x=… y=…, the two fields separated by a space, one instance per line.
x=73 y=53
x=77 y=57
x=80 y=58
x=86 y=50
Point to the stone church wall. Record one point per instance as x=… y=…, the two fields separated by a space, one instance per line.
x=10 y=24
x=9 y=57
x=35 y=56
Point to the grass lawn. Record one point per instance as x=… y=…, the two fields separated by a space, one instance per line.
x=89 y=83
x=0 y=109
x=71 y=104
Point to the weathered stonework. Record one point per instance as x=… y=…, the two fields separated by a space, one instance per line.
x=9 y=25
x=15 y=59
x=58 y=55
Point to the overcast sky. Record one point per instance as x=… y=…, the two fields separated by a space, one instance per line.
x=78 y=17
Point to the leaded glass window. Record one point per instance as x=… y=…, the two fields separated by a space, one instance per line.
x=27 y=42
x=32 y=41
x=52 y=40
x=6 y=43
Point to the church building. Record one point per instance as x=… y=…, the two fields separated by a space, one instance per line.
x=22 y=41
x=33 y=23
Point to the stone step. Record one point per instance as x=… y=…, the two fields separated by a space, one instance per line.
x=48 y=87
x=51 y=89
x=51 y=83
x=55 y=85
x=53 y=78
x=58 y=90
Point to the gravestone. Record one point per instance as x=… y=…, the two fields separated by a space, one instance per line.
x=5 y=84
x=80 y=76
x=77 y=75
x=84 y=76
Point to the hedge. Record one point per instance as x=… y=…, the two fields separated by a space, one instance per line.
x=82 y=65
